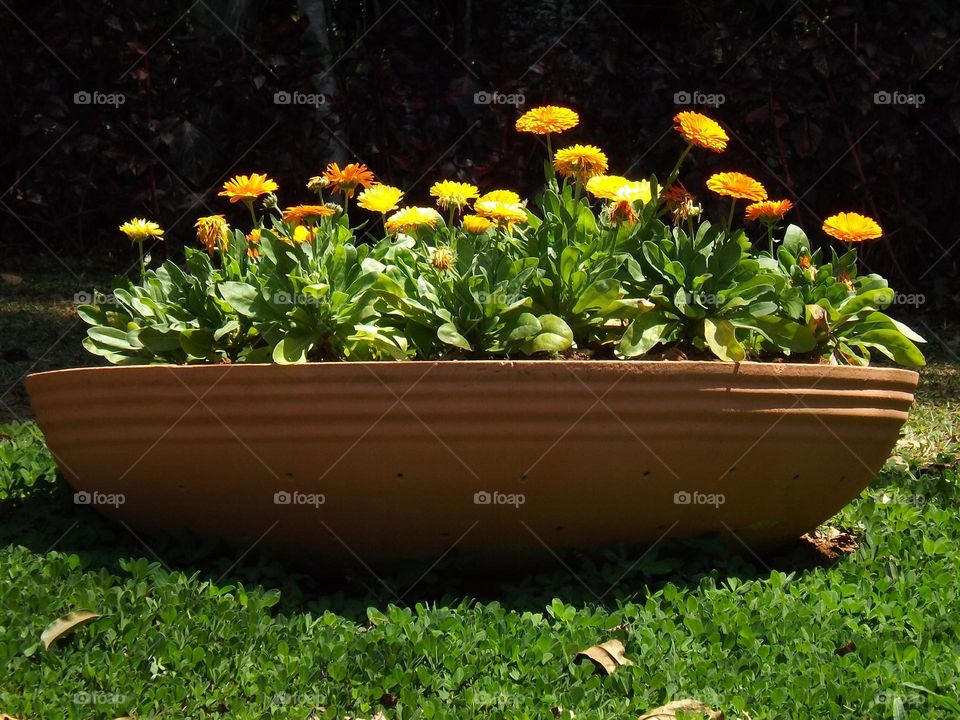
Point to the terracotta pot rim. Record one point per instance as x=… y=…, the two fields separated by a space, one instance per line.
x=801 y=369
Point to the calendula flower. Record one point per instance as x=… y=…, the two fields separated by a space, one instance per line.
x=247 y=187
x=475 y=224
x=852 y=227
x=737 y=185
x=212 y=232
x=253 y=237
x=621 y=212
x=804 y=261
x=508 y=197
x=298 y=213
x=580 y=161
x=681 y=204
x=450 y=193
x=139 y=229
x=318 y=184
x=442 y=258
x=302 y=233
x=547 y=119
x=346 y=180
x=410 y=218
x=699 y=130
x=633 y=191
x=605 y=186
x=768 y=210
x=502 y=214
x=380 y=198
x=845 y=280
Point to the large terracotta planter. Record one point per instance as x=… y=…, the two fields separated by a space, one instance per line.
x=391 y=460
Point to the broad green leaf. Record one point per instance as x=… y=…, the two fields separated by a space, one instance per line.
x=721 y=337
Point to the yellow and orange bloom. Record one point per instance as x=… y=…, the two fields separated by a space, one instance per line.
x=621 y=213
x=500 y=213
x=139 y=229
x=847 y=281
x=450 y=193
x=581 y=162
x=297 y=214
x=852 y=227
x=411 y=218
x=617 y=188
x=737 y=185
x=380 y=198
x=347 y=179
x=247 y=187
x=681 y=204
x=475 y=224
x=213 y=233
x=547 y=119
x=302 y=234
x=442 y=258
x=253 y=237
x=697 y=129
x=768 y=211
x=507 y=197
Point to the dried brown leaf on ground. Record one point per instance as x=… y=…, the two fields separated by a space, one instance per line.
x=832 y=542
x=606 y=657
x=65 y=624
x=692 y=708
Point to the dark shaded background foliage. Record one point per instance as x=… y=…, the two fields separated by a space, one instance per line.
x=399 y=78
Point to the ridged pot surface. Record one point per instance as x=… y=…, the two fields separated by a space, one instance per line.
x=413 y=459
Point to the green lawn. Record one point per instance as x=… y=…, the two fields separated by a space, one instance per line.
x=191 y=629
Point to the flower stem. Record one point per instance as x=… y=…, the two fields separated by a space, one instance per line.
x=143 y=266
x=676 y=168
x=733 y=208
x=253 y=215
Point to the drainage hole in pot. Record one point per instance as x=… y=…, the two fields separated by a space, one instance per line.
x=558 y=528
x=797 y=476
x=399 y=476
x=523 y=478
x=290 y=475
x=646 y=475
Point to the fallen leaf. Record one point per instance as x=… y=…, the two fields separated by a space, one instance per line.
x=846 y=648
x=65 y=624
x=10 y=279
x=607 y=656
x=4 y=716
x=670 y=710
x=832 y=542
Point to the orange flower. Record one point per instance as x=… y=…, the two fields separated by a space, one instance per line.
x=298 y=213
x=622 y=213
x=804 y=261
x=247 y=187
x=852 y=227
x=502 y=214
x=768 y=210
x=474 y=224
x=213 y=232
x=347 y=179
x=547 y=119
x=737 y=185
x=700 y=130
x=845 y=280
x=253 y=252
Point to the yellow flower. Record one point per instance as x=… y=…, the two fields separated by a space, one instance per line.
x=634 y=191
x=503 y=214
x=852 y=227
x=474 y=224
x=247 y=187
x=301 y=233
x=616 y=188
x=212 y=232
x=501 y=196
x=768 y=210
x=410 y=218
x=547 y=119
x=140 y=229
x=580 y=161
x=442 y=258
x=380 y=198
x=346 y=180
x=737 y=185
x=298 y=213
x=700 y=130
x=450 y=192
